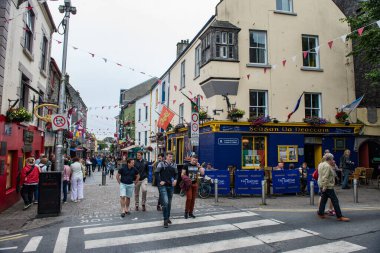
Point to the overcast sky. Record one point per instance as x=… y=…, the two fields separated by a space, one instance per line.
x=139 y=34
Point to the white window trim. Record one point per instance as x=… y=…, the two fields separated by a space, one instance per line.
x=319 y=102
x=181 y=112
x=183 y=75
x=316 y=37
x=198 y=59
x=291 y=7
x=266 y=101
x=251 y=32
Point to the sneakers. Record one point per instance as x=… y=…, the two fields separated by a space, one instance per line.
x=143 y=208
x=331 y=213
x=169 y=221
x=166 y=224
x=192 y=215
x=35 y=202
x=27 y=206
x=122 y=215
x=186 y=215
x=322 y=216
x=345 y=219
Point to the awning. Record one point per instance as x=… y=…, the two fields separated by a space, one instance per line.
x=129 y=148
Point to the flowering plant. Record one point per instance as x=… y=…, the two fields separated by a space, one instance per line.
x=236 y=113
x=18 y=115
x=203 y=114
x=341 y=116
x=315 y=121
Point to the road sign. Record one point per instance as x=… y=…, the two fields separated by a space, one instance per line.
x=194 y=127
x=59 y=122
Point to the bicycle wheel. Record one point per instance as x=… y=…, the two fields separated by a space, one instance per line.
x=203 y=192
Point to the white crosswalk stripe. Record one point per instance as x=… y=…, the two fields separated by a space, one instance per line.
x=334 y=247
x=33 y=244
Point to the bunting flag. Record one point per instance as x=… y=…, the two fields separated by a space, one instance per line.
x=93 y=55
x=305 y=53
x=159 y=81
x=175 y=87
x=330 y=43
x=194 y=106
x=248 y=76
x=360 y=31
x=165 y=118
x=174 y=101
x=75 y=48
x=105 y=60
x=284 y=63
x=265 y=70
x=190 y=93
x=201 y=97
x=295 y=108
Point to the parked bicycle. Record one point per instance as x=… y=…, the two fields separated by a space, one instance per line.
x=204 y=189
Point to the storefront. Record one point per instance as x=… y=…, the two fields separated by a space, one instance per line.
x=245 y=146
x=17 y=142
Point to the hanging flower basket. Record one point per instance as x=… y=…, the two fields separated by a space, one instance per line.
x=236 y=114
x=150 y=149
x=258 y=121
x=341 y=117
x=203 y=115
x=315 y=121
x=18 y=115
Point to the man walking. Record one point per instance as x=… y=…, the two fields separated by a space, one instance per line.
x=192 y=170
x=160 y=157
x=326 y=182
x=346 y=165
x=166 y=177
x=127 y=177
x=142 y=166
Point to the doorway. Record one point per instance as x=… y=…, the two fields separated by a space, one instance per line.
x=313 y=155
x=9 y=170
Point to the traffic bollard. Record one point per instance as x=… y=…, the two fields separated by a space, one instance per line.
x=356 y=197
x=312 y=192
x=216 y=189
x=104 y=178
x=263 y=200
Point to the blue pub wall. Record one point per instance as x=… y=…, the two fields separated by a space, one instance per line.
x=328 y=143
x=275 y=140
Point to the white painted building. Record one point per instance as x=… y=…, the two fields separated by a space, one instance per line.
x=143 y=123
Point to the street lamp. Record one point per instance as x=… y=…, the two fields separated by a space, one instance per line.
x=67 y=9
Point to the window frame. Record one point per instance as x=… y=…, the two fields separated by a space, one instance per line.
x=309 y=52
x=146 y=138
x=163 y=92
x=24 y=92
x=257 y=106
x=44 y=52
x=290 y=3
x=139 y=115
x=265 y=151
x=198 y=61
x=183 y=75
x=311 y=108
x=181 y=112
x=251 y=33
x=146 y=113
x=30 y=18
x=139 y=136
x=287 y=147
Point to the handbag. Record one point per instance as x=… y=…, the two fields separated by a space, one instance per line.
x=315 y=175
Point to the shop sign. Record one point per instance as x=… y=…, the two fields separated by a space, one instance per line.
x=194 y=129
x=228 y=141
x=286 y=181
x=28 y=137
x=59 y=122
x=248 y=181
x=223 y=177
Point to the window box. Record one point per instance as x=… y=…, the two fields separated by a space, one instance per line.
x=311 y=69
x=315 y=121
x=256 y=65
x=236 y=114
x=18 y=115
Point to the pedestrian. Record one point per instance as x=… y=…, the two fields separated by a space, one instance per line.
x=76 y=180
x=93 y=163
x=326 y=182
x=52 y=160
x=347 y=166
x=160 y=157
x=84 y=170
x=166 y=177
x=42 y=166
x=29 y=179
x=210 y=167
x=127 y=177
x=192 y=170
x=66 y=179
x=280 y=166
x=142 y=166
x=88 y=166
x=303 y=177
x=104 y=162
x=291 y=166
x=330 y=211
x=111 y=167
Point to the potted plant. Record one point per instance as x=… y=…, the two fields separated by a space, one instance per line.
x=18 y=115
x=315 y=121
x=258 y=121
x=236 y=114
x=341 y=117
x=203 y=115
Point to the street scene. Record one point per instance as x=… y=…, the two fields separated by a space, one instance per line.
x=201 y=126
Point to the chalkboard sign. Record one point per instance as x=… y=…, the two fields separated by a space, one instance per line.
x=223 y=177
x=309 y=179
x=286 y=181
x=248 y=181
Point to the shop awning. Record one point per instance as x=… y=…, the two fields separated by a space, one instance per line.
x=129 y=148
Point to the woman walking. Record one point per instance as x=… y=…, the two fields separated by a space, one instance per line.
x=66 y=179
x=29 y=181
x=76 y=180
x=111 y=167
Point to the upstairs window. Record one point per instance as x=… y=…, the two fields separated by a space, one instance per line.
x=225 y=45
x=24 y=92
x=29 y=30
x=313 y=105
x=139 y=114
x=183 y=75
x=284 y=5
x=163 y=93
x=258 y=104
x=258 y=53
x=44 y=51
x=310 y=46
x=198 y=58
x=181 y=111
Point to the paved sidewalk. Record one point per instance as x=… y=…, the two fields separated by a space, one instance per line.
x=103 y=200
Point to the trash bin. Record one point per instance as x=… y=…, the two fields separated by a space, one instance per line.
x=49 y=200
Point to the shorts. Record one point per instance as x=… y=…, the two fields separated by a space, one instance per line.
x=126 y=190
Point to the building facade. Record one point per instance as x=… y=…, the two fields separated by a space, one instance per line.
x=263 y=57
x=26 y=29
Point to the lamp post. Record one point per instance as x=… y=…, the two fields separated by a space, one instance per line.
x=67 y=9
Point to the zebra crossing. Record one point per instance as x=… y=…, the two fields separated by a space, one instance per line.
x=239 y=231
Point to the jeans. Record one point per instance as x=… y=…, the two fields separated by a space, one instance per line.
x=166 y=194
x=27 y=193
x=36 y=194
x=346 y=174
x=191 y=194
x=329 y=194
x=65 y=187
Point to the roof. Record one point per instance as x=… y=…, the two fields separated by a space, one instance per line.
x=223 y=24
x=138 y=91
x=46 y=6
x=75 y=96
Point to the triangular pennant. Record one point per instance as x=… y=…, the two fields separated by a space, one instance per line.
x=75 y=48
x=190 y=93
x=118 y=64
x=93 y=55
x=265 y=70
x=343 y=38
x=330 y=43
x=175 y=87
x=159 y=81
x=115 y=106
x=202 y=97
x=59 y=42
x=360 y=31
x=174 y=101
x=284 y=63
x=26 y=29
x=248 y=76
x=144 y=104
x=29 y=8
x=105 y=60
x=294 y=58
x=305 y=53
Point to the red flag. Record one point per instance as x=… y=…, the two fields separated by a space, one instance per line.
x=202 y=97
x=190 y=93
x=118 y=64
x=360 y=31
x=248 y=76
x=166 y=117
x=305 y=53
x=26 y=29
x=283 y=63
x=29 y=8
x=330 y=44
x=159 y=81
x=174 y=101
x=265 y=70
x=175 y=87
x=144 y=104
x=59 y=42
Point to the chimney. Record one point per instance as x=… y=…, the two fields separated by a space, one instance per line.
x=181 y=46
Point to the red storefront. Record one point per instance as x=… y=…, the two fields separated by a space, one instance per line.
x=17 y=142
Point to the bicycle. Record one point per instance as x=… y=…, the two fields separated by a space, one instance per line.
x=205 y=187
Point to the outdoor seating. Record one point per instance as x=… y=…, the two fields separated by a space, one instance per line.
x=368 y=175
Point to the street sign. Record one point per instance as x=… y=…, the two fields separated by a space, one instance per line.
x=59 y=122
x=194 y=127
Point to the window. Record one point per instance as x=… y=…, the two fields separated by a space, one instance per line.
x=156 y=97
x=163 y=93
x=8 y=169
x=183 y=76
x=29 y=30
x=146 y=138
x=139 y=114
x=198 y=56
x=139 y=138
x=284 y=5
x=146 y=113
x=181 y=110
x=24 y=92
x=312 y=105
x=258 y=103
x=254 y=153
x=198 y=98
x=287 y=154
x=224 y=48
x=44 y=48
x=258 y=47
x=310 y=45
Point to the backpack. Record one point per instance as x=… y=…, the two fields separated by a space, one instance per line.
x=315 y=174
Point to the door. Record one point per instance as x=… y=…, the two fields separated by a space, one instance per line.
x=180 y=150
x=9 y=167
x=309 y=155
x=317 y=155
